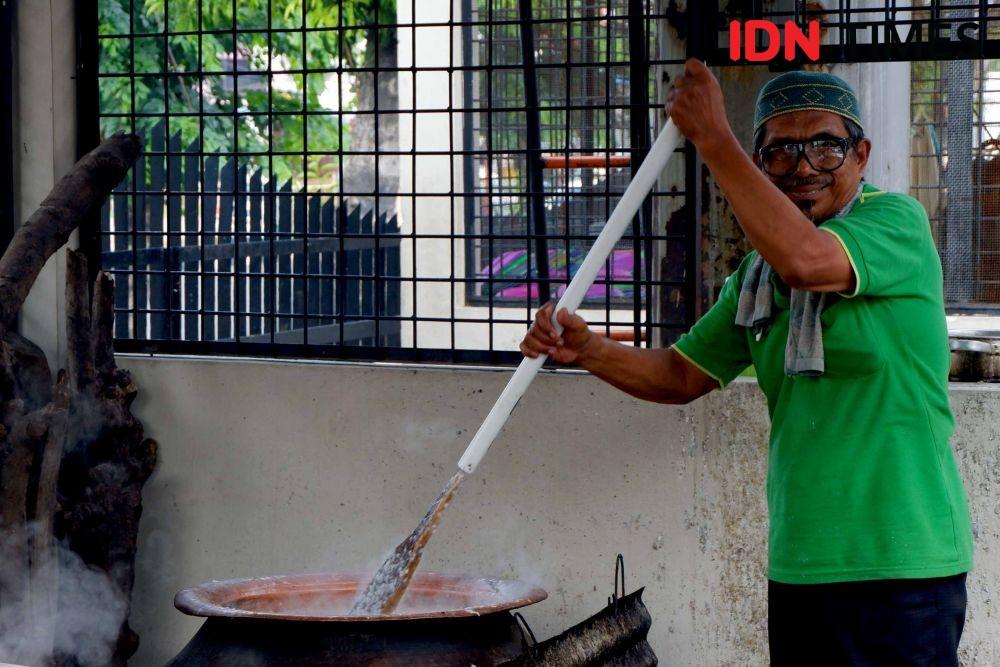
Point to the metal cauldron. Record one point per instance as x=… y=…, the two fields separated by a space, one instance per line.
x=975 y=356
x=302 y=620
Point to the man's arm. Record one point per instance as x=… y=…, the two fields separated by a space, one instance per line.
x=805 y=257
x=663 y=376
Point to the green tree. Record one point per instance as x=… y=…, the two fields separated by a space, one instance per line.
x=206 y=70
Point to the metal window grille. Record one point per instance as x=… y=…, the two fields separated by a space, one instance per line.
x=355 y=179
x=955 y=108
x=584 y=162
x=403 y=179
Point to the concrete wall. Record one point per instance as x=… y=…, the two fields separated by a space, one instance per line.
x=290 y=467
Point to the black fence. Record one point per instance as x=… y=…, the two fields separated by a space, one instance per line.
x=206 y=249
x=955 y=173
x=410 y=221
x=564 y=118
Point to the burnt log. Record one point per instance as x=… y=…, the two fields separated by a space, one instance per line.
x=79 y=194
x=107 y=457
x=73 y=458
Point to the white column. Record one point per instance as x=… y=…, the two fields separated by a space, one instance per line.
x=884 y=96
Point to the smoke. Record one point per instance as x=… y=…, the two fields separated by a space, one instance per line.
x=64 y=608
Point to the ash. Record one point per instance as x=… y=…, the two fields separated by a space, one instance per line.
x=386 y=589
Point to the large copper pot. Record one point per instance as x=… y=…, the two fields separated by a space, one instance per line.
x=302 y=620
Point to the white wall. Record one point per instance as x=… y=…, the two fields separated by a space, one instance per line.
x=270 y=468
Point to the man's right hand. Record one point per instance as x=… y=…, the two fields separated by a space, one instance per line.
x=576 y=340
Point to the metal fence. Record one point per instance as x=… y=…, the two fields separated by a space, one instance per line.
x=199 y=263
x=579 y=144
x=955 y=173
x=482 y=143
x=374 y=179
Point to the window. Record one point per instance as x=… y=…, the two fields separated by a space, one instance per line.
x=955 y=173
x=351 y=178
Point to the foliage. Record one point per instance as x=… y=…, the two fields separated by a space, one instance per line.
x=207 y=72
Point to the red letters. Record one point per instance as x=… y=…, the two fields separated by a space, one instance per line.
x=773 y=41
x=743 y=40
x=795 y=37
x=735 y=40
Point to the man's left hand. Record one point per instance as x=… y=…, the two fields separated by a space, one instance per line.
x=696 y=105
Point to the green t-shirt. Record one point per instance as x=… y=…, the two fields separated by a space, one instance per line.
x=862 y=483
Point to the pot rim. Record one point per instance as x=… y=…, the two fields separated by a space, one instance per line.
x=217 y=598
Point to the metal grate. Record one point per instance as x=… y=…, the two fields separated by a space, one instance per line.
x=355 y=178
x=402 y=179
x=955 y=173
x=582 y=70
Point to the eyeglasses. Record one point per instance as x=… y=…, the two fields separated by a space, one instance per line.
x=827 y=154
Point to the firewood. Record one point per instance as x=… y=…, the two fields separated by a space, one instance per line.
x=79 y=345
x=73 y=458
x=78 y=195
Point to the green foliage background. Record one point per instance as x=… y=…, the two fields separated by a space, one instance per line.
x=178 y=72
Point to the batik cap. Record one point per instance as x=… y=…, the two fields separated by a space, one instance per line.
x=806 y=91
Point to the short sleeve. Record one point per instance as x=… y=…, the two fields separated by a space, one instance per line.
x=716 y=344
x=888 y=241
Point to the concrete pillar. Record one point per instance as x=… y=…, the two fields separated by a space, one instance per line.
x=884 y=95
x=45 y=140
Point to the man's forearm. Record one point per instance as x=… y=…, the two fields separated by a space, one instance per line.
x=652 y=375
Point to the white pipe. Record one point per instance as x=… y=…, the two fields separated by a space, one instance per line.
x=643 y=182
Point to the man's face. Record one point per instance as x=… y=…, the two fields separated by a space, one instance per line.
x=819 y=194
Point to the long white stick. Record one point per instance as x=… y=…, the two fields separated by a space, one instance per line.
x=616 y=226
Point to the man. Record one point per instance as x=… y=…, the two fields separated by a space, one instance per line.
x=840 y=310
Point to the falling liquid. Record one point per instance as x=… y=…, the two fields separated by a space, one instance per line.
x=386 y=588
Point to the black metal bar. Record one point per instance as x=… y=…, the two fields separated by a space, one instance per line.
x=489 y=167
x=533 y=137
x=639 y=145
x=451 y=165
x=702 y=22
x=7 y=208
x=88 y=128
x=468 y=141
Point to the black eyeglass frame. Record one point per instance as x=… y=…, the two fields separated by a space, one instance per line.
x=845 y=143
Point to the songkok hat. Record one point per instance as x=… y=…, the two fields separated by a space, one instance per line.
x=805 y=91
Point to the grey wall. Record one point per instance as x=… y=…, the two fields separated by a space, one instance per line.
x=271 y=468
